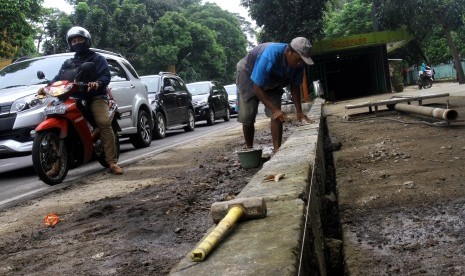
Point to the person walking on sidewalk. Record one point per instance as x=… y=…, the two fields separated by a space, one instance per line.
x=261 y=76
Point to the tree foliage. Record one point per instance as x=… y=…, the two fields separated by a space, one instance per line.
x=227 y=31
x=420 y=17
x=282 y=20
x=352 y=18
x=17 y=34
x=202 y=42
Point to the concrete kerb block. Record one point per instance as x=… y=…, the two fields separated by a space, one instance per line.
x=272 y=245
x=268 y=246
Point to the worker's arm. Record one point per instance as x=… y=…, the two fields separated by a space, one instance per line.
x=263 y=97
x=295 y=91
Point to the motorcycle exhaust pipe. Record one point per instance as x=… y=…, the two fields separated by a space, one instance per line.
x=439 y=113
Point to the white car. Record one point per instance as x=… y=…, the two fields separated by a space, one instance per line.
x=232 y=97
x=21 y=111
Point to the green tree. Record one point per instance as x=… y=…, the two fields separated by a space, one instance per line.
x=202 y=42
x=51 y=31
x=190 y=46
x=17 y=32
x=353 y=18
x=421 y=16
x=282 y=20
x=228 y=33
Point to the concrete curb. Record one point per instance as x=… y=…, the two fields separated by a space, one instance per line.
x=289 y=241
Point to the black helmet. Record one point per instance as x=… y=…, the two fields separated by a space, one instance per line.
x=78 y=31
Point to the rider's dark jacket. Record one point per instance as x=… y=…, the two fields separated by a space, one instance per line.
x=101 y=74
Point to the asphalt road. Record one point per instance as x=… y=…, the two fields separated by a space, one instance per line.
x=18 y=180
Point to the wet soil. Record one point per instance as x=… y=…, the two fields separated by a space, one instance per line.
x=140 y=223
x=398 y=179
x=401 y=190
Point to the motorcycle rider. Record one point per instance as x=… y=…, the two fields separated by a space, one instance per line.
x=79 y=41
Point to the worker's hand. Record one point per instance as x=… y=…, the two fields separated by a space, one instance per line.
x=94 y=85
x=301 y=116
x=279 y=115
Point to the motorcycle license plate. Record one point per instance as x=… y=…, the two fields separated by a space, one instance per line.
x=57 y=109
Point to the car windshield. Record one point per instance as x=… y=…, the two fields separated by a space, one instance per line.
x=24 y=73
x=198 y=88
x=231 y=89
x=153 y=83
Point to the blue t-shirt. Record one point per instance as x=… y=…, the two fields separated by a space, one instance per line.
x=265 y=66
x=270 y=70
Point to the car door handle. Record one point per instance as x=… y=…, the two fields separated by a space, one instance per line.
x=132 y=86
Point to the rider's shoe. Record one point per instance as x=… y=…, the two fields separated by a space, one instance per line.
x=54 y=170
x=115 y=169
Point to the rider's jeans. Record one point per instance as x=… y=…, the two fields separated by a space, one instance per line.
x=100 y=109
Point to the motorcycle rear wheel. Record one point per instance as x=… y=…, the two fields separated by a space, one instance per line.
x=428 y=83
x=50 y=165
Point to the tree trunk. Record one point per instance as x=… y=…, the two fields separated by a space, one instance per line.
x=374 y=11
x=455 y=56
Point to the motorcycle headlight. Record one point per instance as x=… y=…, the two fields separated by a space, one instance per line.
x=25 y=103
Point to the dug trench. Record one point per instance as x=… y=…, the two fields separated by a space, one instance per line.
x=400 y=189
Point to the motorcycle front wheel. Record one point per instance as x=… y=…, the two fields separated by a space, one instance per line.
x=50 y=163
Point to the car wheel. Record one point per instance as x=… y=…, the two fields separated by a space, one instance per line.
x=191 y=121
x=228 y=115
x=143 y=137
x=159 y=130
x=210 y=117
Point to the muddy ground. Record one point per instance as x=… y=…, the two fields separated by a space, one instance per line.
x=399 y=183
x=140 y=223
x=401 y=187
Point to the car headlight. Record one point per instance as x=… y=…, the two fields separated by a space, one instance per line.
x=28 y=102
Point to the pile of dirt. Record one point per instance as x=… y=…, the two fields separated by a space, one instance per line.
x=141 y=223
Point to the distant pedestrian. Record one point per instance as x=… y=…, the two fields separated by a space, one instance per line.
x=262 y=75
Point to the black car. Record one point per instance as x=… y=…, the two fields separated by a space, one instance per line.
x=210 y=100
x=171 y=103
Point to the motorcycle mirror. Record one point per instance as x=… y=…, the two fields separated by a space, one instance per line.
x=40 y=75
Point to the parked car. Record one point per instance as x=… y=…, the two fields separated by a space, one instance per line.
x=171 y=103
x=210 y=101
x=232 y=97
x=21 y=111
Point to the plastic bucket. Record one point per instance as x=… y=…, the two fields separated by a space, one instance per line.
x=250 y=158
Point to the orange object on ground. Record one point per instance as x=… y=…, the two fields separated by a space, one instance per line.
x=51 y=219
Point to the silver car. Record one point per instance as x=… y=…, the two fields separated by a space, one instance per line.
x=21 y=111
x=232 y=97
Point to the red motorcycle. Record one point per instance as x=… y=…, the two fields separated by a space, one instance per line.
x=64 y=139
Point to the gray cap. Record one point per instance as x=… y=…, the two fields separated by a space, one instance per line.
x=303 y=47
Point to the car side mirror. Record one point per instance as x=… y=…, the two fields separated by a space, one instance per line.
x=168 y=89
x=40 y=75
